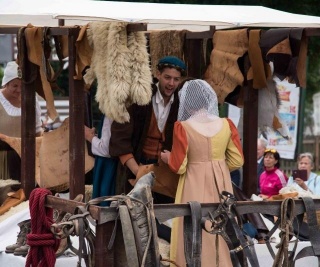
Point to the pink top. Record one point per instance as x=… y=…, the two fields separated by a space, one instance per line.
x=272 y=181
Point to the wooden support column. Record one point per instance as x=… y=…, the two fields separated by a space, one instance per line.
x=250 y=133
x=28 y=125
x=194 y=54
x=76 y=111
x=104 y=256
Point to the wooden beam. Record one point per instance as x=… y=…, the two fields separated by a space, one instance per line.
x=76 y=126
x=9 y=30
x=135 y=27
x=312 y=32
x=28 y=125
x=201 y=35
x=250 y=134
x=164 y=212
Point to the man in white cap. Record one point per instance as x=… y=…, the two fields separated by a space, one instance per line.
x=10 y=120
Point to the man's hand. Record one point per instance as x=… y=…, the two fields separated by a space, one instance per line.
x=132 y=165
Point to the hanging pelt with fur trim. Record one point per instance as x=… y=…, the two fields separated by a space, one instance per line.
x=118 y=77
x=141 y=92
x=121 y=65
x=97 y=37
x=268 y=111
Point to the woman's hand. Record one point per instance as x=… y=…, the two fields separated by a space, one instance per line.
x=165 y=156
x=263 y=196
x=301 y=183
x=89 y=133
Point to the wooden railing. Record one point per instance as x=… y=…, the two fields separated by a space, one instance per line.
x=106 y=216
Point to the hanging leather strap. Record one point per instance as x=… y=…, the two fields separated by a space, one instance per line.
x=240 y=246
x=128 y=236
x=193 y=235
x=314 y=233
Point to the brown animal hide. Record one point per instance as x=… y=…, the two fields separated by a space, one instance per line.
x=15 y=143
x=259 y=70
x=52 y=157
x=84 y=53
x=34 y=40
x=223 y=72
x=287 y=49
x=165 y=43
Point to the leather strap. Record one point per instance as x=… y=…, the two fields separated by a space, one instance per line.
x=193 y=235
x=268 y=236
x=128 y=236
x=314 y=233
x=239 y=246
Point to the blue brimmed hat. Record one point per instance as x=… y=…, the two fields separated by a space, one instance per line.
x=172 y=62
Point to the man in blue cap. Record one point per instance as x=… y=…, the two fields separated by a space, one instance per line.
x=150 y=129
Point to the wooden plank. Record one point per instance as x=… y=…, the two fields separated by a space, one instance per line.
x=312 y=32
x=194 y=57
x=9 y=30
x=103 y=255
x=201 y=35
x=164 y=212
x=76 y=130
x=137 y=27
x=250 y=133
x=28 y=125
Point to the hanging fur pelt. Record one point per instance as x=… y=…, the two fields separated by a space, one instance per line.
x=268 y=111
x=141 y=92
x=97 y=37
x=118 y=77
x=121 y=65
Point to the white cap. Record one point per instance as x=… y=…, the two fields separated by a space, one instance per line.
x=11 y=72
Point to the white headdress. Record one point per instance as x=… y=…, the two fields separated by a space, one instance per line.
x=197 y=98
x=11 y=72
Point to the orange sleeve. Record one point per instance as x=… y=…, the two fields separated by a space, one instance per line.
x=177 y=160
x=234 y=153
x=235 y=136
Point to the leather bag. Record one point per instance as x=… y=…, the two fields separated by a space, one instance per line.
x=166 y=181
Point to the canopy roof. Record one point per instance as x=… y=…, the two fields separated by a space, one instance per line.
x=157 y=16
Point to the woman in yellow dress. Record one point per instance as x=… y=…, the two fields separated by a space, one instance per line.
x=205 y=149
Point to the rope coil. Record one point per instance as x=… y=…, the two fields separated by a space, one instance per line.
x=42 y=242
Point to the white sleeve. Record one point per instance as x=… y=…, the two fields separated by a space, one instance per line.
x=38 y=117
x=100 y=147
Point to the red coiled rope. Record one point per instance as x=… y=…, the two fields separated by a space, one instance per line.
x=42 y=242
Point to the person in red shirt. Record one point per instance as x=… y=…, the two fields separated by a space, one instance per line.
x=272 y=179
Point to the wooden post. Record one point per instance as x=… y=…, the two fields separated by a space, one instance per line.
x=250 y=133
x=28 y=125
x=76 y=130
x=104 y=256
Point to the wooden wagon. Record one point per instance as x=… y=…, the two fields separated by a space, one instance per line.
x=202 y=21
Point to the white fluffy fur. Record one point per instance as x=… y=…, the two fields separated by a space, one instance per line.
x=119 y=73
x=121 y=66
x=6 y=182
x=14 y=210
x=97 y=35
x=141 y=91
